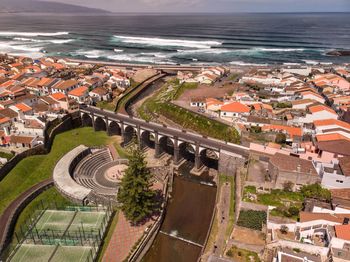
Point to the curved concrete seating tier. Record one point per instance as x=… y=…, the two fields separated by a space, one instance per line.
x=86 y=171
x=63 y=178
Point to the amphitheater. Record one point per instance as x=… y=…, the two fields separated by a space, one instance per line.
x=92 y=175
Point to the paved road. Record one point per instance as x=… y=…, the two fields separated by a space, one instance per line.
x=181 y=134
x=9 y=212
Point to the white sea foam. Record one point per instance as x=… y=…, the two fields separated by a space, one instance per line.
x=118 y=50
x=241 y=63
x=279 y=49
x=311 y=62
x=54 y=41
x=153 y=41
x=5 y=33
x=205 y=51
x=140 y=58
x=91 y=53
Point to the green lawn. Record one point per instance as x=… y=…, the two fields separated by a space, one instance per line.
x=8 y=156
x=242 y=255
x=34 y=169
x=106 y=105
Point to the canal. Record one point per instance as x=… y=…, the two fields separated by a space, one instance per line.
x=187 y=220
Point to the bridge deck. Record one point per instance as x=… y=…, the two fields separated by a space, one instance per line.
x=169 y=131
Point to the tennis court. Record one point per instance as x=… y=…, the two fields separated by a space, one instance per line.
x=76 y=254
x=56 y=220
x=63 y=235
x=33 y=253
x=87 y=220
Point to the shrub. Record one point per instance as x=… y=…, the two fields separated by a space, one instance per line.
x=280 y=138
x=284 y=229
x=293 y=211
x=229 y=253
x=316 y=191
x=288 y=186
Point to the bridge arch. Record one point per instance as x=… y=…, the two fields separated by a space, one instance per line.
x=166 y=145
x=100 y=124
x=209 y=158
x=129 y=134
x=148 y=139
x=86 y=120
x=187 y=151
x=114 y=129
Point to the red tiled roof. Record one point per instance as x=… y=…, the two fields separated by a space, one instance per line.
x=309 y=216
x=79 y=91
x=236 y=107
x=292 y=131
x=327 y=122
x=318 y=108
x=58 y=96
x=23 y=107
x=342 y=231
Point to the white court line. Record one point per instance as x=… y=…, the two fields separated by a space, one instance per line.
x=25 y=253
x=82 y=255
x=42 y=226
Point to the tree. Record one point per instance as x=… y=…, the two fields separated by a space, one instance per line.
x=316 y=191
x=135 y=193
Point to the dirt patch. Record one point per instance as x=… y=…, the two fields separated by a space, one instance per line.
x=208 y=91
x=248 y=236
x=142 y=74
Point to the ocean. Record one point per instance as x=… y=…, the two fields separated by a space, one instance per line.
x=236 y=39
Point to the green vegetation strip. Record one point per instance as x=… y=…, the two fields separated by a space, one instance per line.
x=35 y=169
x=242 y=255
x=8 y=156
x=160 y=104
x=252 y=219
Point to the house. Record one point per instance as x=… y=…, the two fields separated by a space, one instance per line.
x=332 y=145
x=64 y=86
x=335 y=175
x=332 y=80
x=285 y=168
x=79 y=94
x=100 y=94
x=317 y=112
x=302 y=104
x=23 y=141
x=293 y=133
x=213 y=104
x=233 y=110
x=332 y=126
x=313 y=96
x=197 y=102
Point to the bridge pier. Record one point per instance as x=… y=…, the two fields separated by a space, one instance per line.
x=197 y=158
x=156 y=145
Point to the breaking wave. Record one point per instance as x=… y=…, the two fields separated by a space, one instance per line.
x=5 y=33
x=153 y=41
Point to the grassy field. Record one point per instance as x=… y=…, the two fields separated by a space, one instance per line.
x=34 y=169
x=160 y=104
x=106 y=105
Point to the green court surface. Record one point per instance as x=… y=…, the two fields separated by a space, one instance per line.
x=87 y=220
x=54 y=220
x=76 y=254
x=33 y=253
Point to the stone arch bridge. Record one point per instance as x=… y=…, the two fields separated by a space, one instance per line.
x=181 y=144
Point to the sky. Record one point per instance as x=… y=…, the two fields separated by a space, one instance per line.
x=215 y=5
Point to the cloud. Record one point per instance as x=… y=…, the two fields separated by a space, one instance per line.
x=182 y=3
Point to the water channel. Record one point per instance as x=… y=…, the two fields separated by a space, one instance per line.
x=187 y=219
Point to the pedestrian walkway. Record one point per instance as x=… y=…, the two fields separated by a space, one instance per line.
x=123 y=239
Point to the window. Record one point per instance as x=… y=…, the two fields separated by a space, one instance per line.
x=340 y=181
